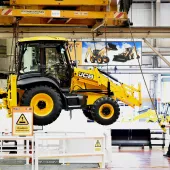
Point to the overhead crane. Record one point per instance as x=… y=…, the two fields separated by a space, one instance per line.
x=91 y=13
x=61 y=14
x=83 y=32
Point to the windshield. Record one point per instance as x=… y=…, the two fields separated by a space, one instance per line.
x=55 y=56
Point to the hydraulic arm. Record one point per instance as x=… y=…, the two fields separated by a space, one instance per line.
x=95 y=83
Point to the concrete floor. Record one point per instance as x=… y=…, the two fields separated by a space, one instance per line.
x=126 y=158
x=42 y=167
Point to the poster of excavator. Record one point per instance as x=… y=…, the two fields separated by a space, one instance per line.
x=111 y=52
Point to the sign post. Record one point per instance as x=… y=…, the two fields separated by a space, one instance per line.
x=22 y=121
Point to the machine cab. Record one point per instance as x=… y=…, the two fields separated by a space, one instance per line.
x=45 y=56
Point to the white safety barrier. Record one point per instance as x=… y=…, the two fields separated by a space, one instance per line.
x=42 y=152
x=68 y=147
x=21 y=152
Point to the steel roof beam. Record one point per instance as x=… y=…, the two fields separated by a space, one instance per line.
x=156 y=52
x=84 y=32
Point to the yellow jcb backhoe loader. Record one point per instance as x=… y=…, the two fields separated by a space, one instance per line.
x=47 y=80
x=128 y=54
x=99 y=56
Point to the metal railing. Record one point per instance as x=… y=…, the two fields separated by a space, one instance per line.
x=20 y=152
x=40 y=147
x=42 y=152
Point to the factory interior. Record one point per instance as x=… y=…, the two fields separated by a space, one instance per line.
x=84 y=84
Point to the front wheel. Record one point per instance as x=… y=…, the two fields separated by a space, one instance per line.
x=105 y=111
x=92 y=59
x=46 y=103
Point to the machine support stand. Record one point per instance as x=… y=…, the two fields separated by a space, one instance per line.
x=108 y=88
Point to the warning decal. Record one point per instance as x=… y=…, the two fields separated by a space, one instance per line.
x=22 y=120
x=98 y=145
x=6 y=12
x=33 y=12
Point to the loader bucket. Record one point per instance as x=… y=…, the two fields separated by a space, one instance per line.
x=112 y=46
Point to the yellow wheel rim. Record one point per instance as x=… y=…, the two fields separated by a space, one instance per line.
x=42 y=103
x=106 y=111
x=99 y=60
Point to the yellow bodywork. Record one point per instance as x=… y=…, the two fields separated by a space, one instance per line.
x=11 y=99
x=93 y=79
x=41 y=38
x=60 y=3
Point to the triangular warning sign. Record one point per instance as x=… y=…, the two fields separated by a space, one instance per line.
x=97 y=144
x=22 y=120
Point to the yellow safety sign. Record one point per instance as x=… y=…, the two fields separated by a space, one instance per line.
x=22 y=120
x=97 y=145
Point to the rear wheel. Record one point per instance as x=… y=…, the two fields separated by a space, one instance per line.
x=105 y=111
x=46 y=103
x=87 y=113
x=106 y=59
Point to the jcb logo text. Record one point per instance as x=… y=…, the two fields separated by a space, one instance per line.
x=86 y=75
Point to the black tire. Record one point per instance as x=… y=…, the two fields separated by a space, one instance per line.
x=96 y=108
x=87 y=113
x=92 y=59
x=99 y=60
x=57 y=104
x=106 y=59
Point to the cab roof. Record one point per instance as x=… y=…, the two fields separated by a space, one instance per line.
x=42 y=38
